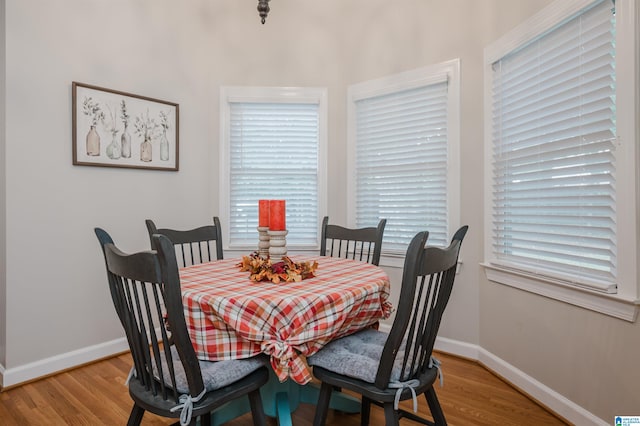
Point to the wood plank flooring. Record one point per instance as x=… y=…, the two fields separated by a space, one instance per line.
x=95 y=395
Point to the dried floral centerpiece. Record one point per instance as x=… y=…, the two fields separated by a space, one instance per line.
x=261 y=269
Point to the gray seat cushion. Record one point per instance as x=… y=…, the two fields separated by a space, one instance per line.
x=215 y=374
x=357 y=355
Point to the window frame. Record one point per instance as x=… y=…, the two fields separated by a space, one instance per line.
x=436 y=73
x=624 y=303
x=246 y=94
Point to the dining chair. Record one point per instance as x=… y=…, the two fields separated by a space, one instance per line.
x=386 y=368
x=195 y=245
x=167 y=378
x=355 y=243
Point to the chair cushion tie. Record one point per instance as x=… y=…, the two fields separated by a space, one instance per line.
x=409 y=384
x=132 y=373
x=186 y=405
x=435 y=362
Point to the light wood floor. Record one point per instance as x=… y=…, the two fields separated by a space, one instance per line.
x=95 y=395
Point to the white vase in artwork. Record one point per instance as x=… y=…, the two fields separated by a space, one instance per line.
x=145 y=150
x=93 y=142
x=113 y=149
x=164 y=147
x=125 y=142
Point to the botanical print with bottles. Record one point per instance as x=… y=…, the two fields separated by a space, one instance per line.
x=118 y=129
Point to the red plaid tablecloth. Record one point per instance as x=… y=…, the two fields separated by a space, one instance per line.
x=231 y=317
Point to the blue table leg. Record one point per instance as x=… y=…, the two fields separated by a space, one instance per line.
x=230 y=411
x=283 y=409
x=282 y=399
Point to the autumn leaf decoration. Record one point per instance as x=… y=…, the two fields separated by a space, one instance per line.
x=286 y=270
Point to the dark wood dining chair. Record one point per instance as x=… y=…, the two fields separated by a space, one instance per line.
x=389 y=367
x=167 y=378
x=195 y=245
x=363 y=244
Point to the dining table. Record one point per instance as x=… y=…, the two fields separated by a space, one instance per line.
x=230 y=316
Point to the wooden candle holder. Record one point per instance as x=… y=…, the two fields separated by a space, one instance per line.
x=277 y=244
x=263 y=243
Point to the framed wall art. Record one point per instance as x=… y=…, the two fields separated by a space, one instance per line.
x=118 y=129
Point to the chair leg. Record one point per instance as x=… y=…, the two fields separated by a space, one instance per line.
x=365 y=411
x=205 y=419
x=391 y=417
x=135 y=418
x=322 y=407
x=434 y=406
x=257 y=411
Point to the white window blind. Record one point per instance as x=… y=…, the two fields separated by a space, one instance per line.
x=273 y=154
x=554 y=140
x=401 y=164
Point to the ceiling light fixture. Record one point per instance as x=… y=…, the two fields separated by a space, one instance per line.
x=263 y=9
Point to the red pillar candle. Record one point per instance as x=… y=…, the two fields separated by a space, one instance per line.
x=263 y=213
x=277 y=215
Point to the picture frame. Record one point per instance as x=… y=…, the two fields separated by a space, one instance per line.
x=118 y=129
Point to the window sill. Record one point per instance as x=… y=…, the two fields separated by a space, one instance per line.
x=608 y=304
x=392 y=260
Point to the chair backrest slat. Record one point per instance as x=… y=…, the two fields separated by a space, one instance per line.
x=195 y=245
x=364 y=244
x=427 y=282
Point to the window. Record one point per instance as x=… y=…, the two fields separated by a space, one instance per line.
x=403 y=143
x=557 y=158
x=273 y=144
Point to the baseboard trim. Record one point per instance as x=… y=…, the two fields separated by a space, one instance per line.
x=10 y=377
x=546 y=396
x=457 y=348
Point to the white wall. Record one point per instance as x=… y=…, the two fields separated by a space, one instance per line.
x=3 y=184
x=57 y=302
